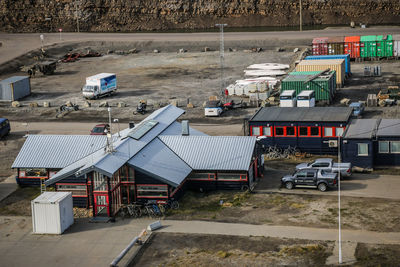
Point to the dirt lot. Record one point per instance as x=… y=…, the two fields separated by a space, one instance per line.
x=167 y=249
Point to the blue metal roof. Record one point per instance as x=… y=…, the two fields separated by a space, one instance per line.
x=13 y=79
x=389 y=127
x=361 y=129
x=176 y=129
x=124 y=147
x=56 y=151
x=158 y=160
x=213 y=152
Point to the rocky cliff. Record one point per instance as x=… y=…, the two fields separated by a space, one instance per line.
x=137 y=15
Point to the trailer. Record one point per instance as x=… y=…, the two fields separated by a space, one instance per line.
x=103 y=84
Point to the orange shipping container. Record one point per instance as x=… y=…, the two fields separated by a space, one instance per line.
x=337 y=65
x=352 y=46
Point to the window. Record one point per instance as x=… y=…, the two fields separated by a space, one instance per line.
x=256 y=131
x=310 y=174
x=231 y=176
x=302 y=174
x=290 y=131
x=140 y=130
x=339 y=131
x=33 y=173
x=314 y=131
x=152 y=191
x=279 y=131
x=362 y=149
x=303 y=131
x=75 y=189
x=395 y=146
x=383 y=146
x=328 y=131
x=202 y=176
x=99 y=182
x=321 y=165
x=267 y=131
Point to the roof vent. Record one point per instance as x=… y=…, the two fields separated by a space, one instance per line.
x=185 y=127
x=131 y=125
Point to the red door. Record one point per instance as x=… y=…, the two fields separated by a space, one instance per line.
x=101 y=205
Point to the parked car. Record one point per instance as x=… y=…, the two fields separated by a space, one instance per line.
x=100 y=129
x=213 y=108
x=358 y=108
x=310 y=178
x=4 y=127
x=328 y=165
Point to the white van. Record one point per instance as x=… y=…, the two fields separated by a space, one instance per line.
x=306 y=99
x=288 y=99
x=99 y=85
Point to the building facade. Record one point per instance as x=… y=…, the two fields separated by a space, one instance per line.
x=157 y=160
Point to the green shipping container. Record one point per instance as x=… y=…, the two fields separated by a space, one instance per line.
x=324 y=85
x=384 y=46
x=368 y=46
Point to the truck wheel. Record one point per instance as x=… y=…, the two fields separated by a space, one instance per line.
x=289 y=185
x=322 y=187
x=244 y=188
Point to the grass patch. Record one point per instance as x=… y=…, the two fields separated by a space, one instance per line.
x=297 y=205
x=301 y=250
x=223 y=254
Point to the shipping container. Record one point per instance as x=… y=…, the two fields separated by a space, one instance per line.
x=346 y=57
x=384 y=46
x=396 y=45
x=52 y=213
x=333 y=80
x=368 y=46
x=324 y=85
x=336 y=45
x=320 y=46
x=352 y=46
x=15 y=88
x=337 y=65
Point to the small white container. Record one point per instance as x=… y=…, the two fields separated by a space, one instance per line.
x=52 y=213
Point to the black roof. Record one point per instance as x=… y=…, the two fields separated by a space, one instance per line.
x=315 y=114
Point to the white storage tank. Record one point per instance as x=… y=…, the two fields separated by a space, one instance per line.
x=287 y=99
x=52 y=213
x=306 y=99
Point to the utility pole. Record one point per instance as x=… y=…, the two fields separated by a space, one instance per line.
x=339 y=221
x=221 y=55
x=301 y=17
x=77 y=15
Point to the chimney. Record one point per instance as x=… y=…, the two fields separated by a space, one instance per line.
x=185 y=127
x=131 y=125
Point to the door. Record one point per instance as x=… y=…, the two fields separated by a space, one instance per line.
x=101 y=205
x=301 y=177
x=311 y=178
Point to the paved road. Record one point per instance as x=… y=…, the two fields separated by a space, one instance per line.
x=358 y=185
x=7 y=186
x=15 y=45
x=205 y=227
x=84 y=128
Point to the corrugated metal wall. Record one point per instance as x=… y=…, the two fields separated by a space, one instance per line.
x=337 y=65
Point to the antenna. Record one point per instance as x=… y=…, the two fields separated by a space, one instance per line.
x=221 y=55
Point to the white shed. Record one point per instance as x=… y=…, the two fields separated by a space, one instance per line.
x=52 y=213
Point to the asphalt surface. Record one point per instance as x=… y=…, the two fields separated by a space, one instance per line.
x=15 y=45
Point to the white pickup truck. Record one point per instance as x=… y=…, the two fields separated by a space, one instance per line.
x=327 y=165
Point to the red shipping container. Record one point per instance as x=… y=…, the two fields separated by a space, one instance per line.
x=352 y=46
x=320 y=46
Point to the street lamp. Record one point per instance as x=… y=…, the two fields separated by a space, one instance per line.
x=119 y=129
x=340 y=227
x=301 y=17
x=221 y=54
